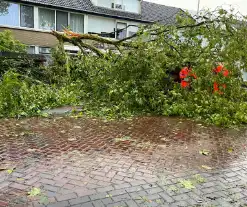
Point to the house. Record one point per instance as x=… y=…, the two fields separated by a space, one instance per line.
x=32 y=20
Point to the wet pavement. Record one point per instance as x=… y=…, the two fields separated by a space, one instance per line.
x=146 y=161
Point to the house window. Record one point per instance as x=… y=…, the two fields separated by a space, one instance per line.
x=45 y=50
x=121 y=30
x=9 y=14
x=110 y=35
x=62 y=20
x=77 y=23
x=244 y=76
x=46 y=19
x=30 y=49
x=118 y=4
x=131 y=33
x=27 y=16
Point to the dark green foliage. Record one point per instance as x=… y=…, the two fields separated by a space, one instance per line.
x=4 y=7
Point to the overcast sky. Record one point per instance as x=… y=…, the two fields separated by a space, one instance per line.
x=241 y=5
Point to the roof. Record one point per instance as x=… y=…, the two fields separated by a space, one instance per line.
x=151 y=12
x=159 y=13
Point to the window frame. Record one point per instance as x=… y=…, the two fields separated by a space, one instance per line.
x=77 y=13
x=55 y=20
x=31 y=46
x=36 y=17
x=121 y=22
x=20 y=16
x=68 y=18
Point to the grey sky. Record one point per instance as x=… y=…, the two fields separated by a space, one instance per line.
x=240 y=5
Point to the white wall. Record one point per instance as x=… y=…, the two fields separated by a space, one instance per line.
x=105 y=3
x=95 y=2
x=99 y=24
x=133 y=28
x=130 y=5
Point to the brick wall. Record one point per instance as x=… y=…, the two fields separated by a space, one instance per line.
x=37 y=38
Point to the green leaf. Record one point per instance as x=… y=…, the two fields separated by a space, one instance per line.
x=204 y=152
x=206 y=167
x=10 y=171
x=34 y=192
x=44 y=200
x=187 y=184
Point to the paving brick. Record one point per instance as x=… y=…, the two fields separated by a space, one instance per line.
x=4 y=184
x=137 y=195
x=84 y=191
x=98 y=204
x=65 y=191
x=154 y=190
x=30 y=175
x=48 y=176
x=74 y=177
x=98 y=196
x=134 y=189
x=131 y=203
x=72 y=182
x=153 y=197
x=232 y=179
x=118 y=177
x=117 y=182
x=32 y=181
x=144 y=171
x=231 y=174
x=3 y=203
x=69 y=186
x=130 y=180
x=138 y=182
x=118 y=204
x=208 y=185
x=107 y=201
x=209 y=190
x=108 y=188
x=102 y=174
x=89 y=204
x=129 y=175
x=79 y=200
x=92 y=186
x=59 y=176
x=59 y=204
x=149 y=185
x=181 y=197
x=102 y=178
x=120 y=186
x=117 y=192
x=18 y=186
x=50 y=194
x=122 y=197
x=194 y=196
x=50 y=188
x=16 y=174
x=47 y=181
x=66 y=197
x=166 y=197
x=103 y=183
x=180 y=204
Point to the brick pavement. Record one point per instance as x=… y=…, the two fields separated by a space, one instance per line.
x=148 y=161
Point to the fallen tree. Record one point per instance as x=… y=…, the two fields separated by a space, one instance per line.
x=135 y=79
